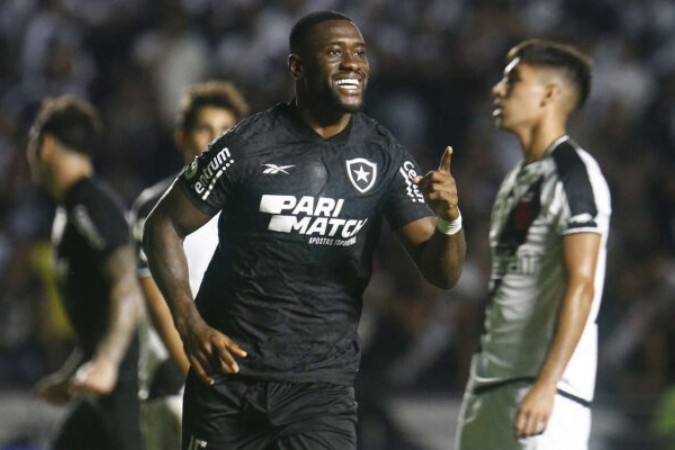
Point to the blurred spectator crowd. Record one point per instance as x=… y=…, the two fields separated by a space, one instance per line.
x=433 y=64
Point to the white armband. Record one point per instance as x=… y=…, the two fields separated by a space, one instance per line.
x=449 y=227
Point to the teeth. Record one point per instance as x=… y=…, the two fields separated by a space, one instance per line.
x=348 y=82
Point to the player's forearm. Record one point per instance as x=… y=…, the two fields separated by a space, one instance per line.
x=125 y=298
x=572 y=318
x=71 y=364
x=442 y=258
x=163 y=246
x=161 y=319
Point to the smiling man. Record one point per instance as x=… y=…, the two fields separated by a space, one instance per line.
x=532 y=381
x=304 y=187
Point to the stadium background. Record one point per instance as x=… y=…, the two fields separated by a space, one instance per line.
x=432 y=67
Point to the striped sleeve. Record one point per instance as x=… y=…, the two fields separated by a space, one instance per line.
x=585 y=190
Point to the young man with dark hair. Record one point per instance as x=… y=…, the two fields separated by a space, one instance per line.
x=304 y=188
x=532 y=380
x=207 y=110
x=96 y=274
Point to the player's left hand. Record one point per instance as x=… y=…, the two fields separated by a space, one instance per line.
x=439 y=188
x=534 y=411
x=97 y=376
x=54 y=388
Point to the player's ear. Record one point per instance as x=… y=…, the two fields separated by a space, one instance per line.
x=49 y=145
x=295 y=66
x=552 y=94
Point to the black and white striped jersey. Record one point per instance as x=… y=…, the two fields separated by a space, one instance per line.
x=537 y=205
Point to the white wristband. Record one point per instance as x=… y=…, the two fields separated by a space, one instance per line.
x=449 y=227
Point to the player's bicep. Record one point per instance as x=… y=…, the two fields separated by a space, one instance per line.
x=176 y=210
x=120 y=265
x=580 y=253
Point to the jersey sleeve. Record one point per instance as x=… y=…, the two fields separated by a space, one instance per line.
x=102 y=223
x=207 y=180
x=405 y=202
x=137 y=217
x=586 y=198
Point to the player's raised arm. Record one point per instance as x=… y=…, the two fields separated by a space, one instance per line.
x=437 y=244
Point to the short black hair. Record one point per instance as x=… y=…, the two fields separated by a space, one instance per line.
x=216 y=93
x=575 y=65
x=303 y=27
x=74 y=122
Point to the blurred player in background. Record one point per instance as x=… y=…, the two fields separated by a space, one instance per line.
x=95 y=267
x=207 y=110
x=532 y=381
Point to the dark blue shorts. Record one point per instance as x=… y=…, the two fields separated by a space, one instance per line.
x=238 y=413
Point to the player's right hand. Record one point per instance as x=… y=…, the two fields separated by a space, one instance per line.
x=97 y=376
x=440 y=189
x=210 y=351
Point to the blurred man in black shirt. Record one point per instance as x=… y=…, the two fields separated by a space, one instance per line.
x=96 y=274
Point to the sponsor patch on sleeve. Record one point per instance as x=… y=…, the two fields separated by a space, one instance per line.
x=202 y=174
x=408 y=171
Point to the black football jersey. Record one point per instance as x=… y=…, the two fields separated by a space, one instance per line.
x=301 y=219
x=89 y=226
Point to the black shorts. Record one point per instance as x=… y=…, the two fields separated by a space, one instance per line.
x=110 y=422
x=238 y=414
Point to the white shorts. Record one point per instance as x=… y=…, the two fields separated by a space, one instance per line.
x=486 y=421
x=161 y=422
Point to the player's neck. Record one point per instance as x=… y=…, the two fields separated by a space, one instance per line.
x=68 y=173
x=324 y=123
x=535 y=141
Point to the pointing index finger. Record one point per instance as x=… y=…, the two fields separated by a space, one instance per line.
x=445 y=160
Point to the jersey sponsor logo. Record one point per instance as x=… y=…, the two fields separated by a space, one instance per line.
x=191 y=170
x=525 y=264
x=318 y=218
x=362 y=173
x=273 y=169
x=408 y=172
x=208 y=175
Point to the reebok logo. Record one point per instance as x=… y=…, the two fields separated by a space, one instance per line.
x=273 y=169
